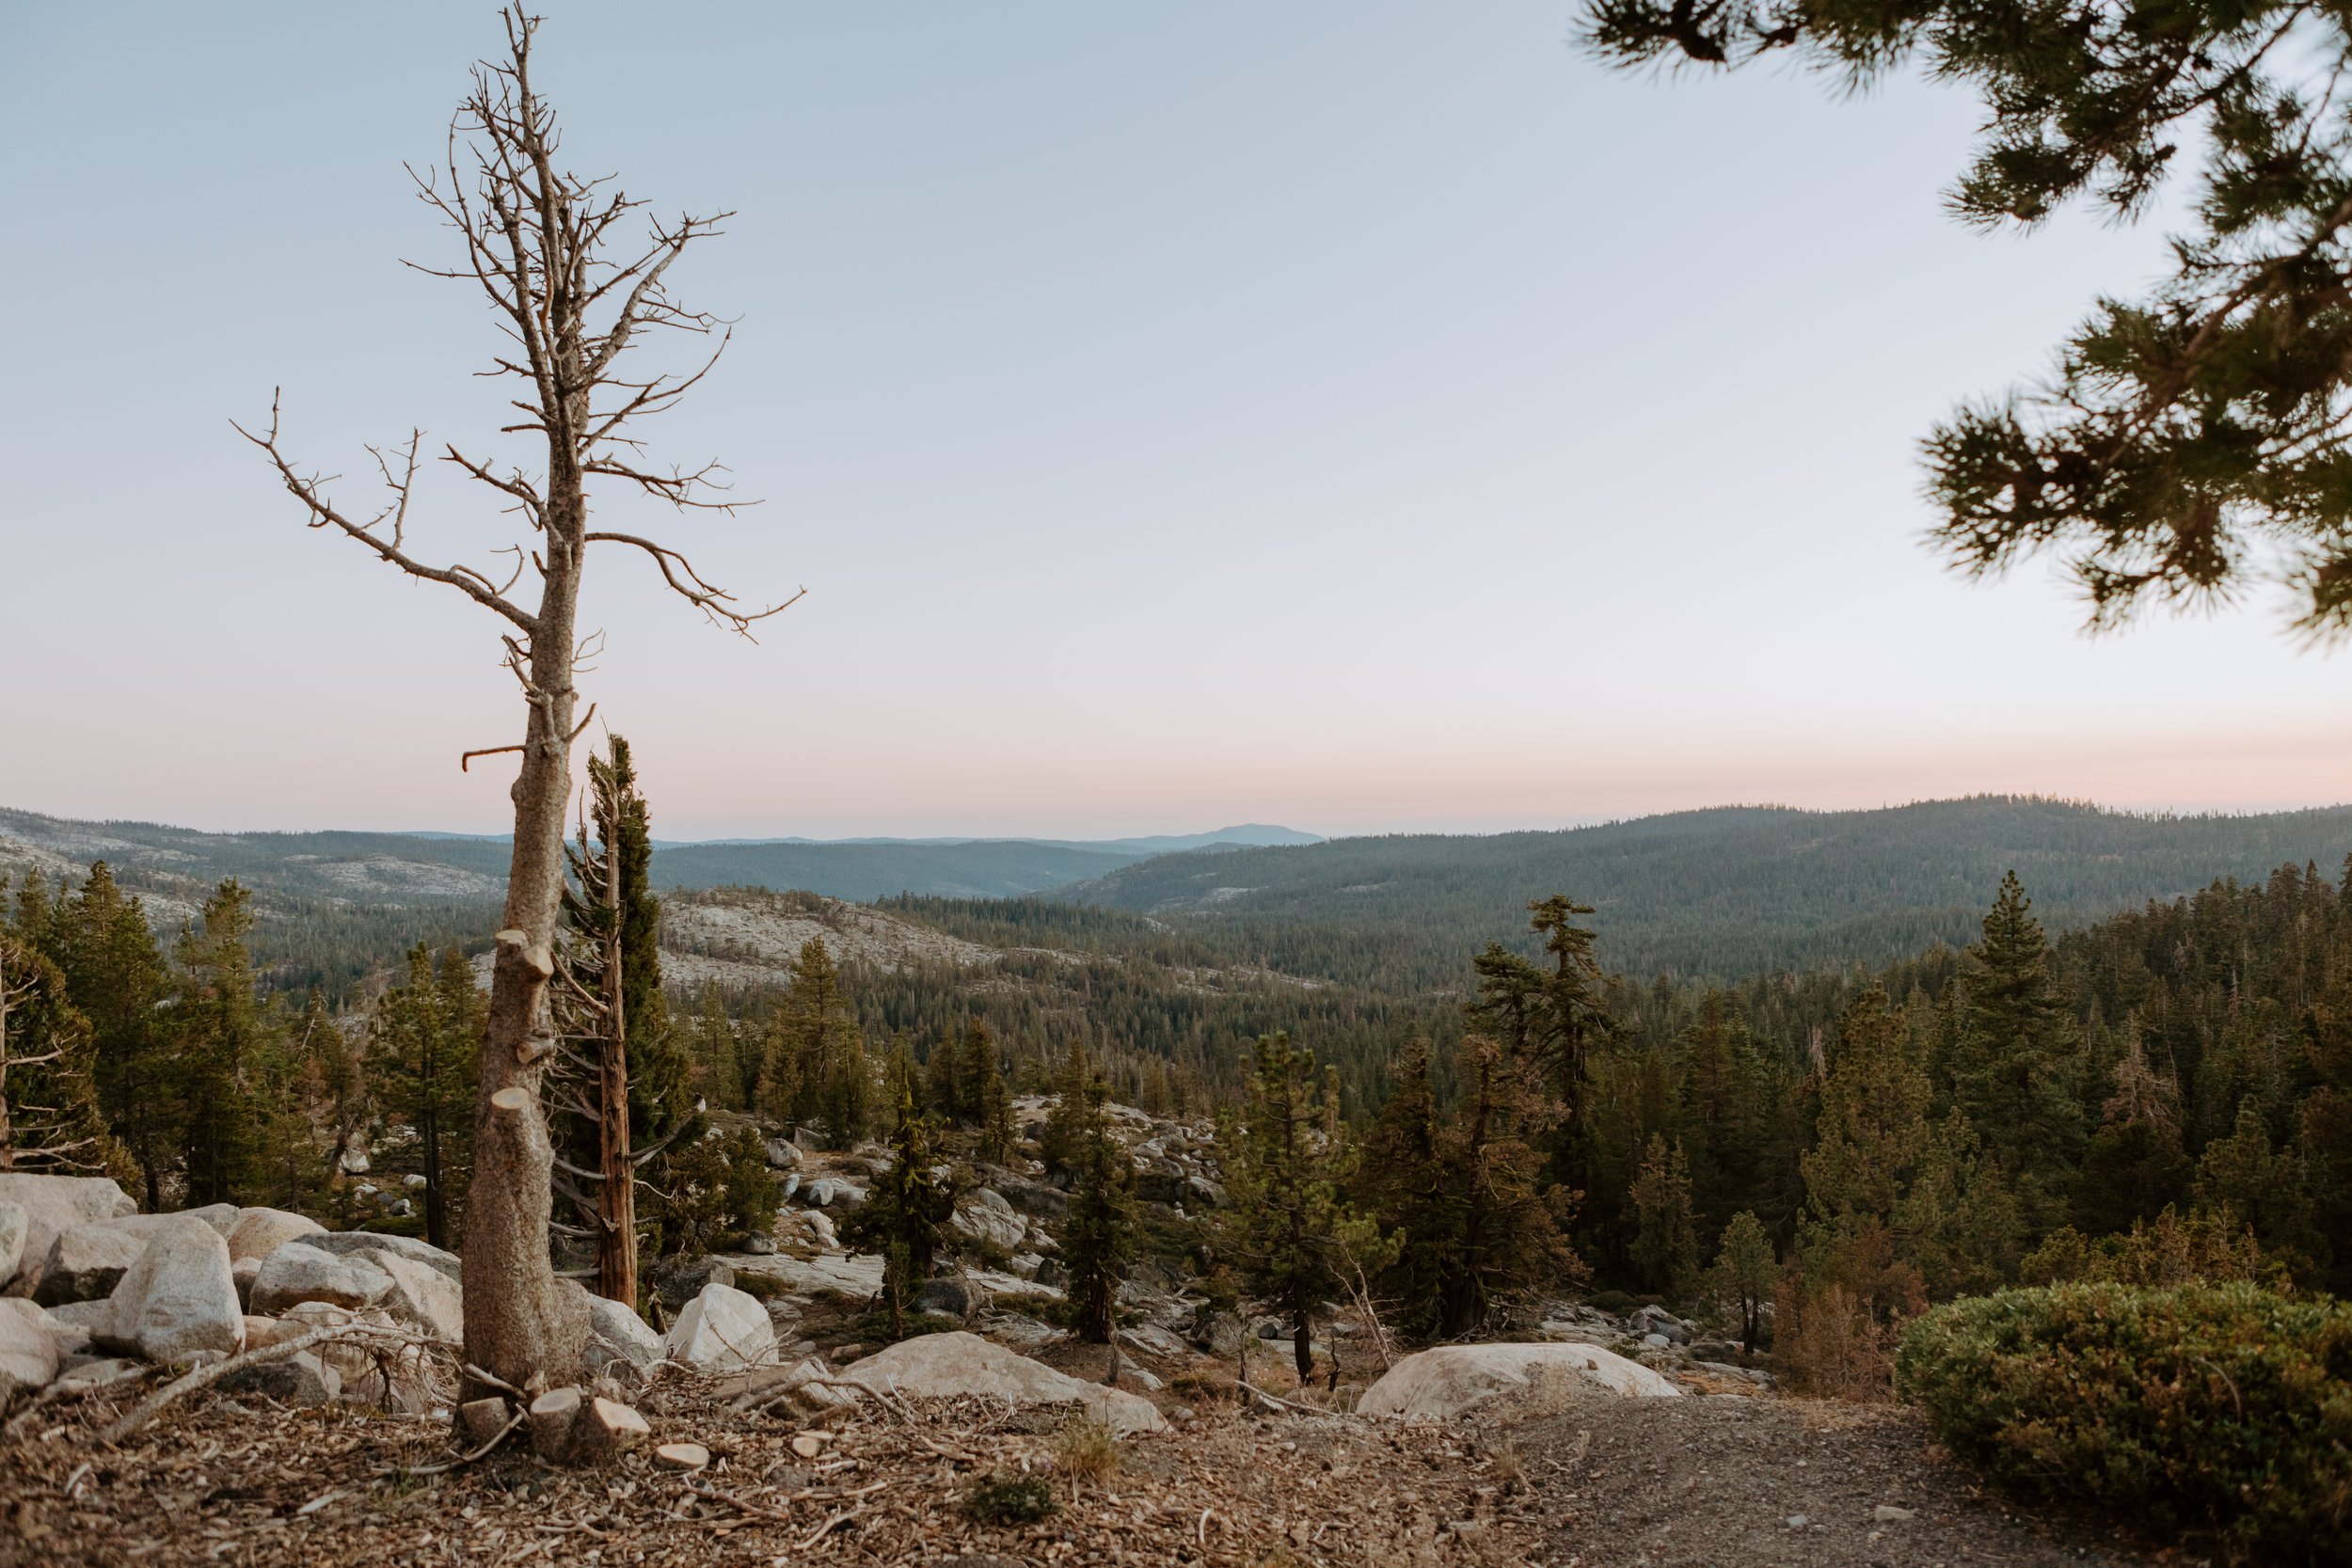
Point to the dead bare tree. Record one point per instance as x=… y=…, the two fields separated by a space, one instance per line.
x=547 y=248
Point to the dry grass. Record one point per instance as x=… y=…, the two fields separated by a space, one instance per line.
x=1510 y=1469
x=1829 y=1344
x=1086 y=1449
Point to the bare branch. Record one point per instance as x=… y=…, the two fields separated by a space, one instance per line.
x=323 y=513
x=712 y=600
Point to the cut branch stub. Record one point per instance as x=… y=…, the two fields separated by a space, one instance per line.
x=516 y=947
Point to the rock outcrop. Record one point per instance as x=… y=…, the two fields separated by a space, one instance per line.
x=55 y=1203
x=259 y=1232
x=86 y=1263
x=1447 y=1380
x=299 y=1272
x=942 y=1366
x=348 y=1243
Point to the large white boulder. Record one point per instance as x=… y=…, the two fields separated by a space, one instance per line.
x=29 y=1353
x=349 y=1244
x=622 y=1333
x=297 y=1272
x=86 y=1263
x=13 y=1220
x=51 y=1204
x=180 y=1299
x=220 y=1216
x=421 y=1297
x=942 y=1366
x=722 y=1330
x=1447 y=1380
x=259 y=1232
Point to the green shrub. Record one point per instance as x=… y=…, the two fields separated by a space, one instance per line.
x=1009 y=1499
x=2221 y=1407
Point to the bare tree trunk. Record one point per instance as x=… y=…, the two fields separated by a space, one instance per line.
x=539 y=241
x=616 y=1236
x=516 y=1325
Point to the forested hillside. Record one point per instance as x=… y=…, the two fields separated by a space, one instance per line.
x=1721 y=893
x=986 y=869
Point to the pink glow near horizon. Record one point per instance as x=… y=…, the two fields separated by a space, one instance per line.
x=1361 y=468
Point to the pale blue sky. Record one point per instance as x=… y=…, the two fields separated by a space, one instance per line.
x=1361 y=415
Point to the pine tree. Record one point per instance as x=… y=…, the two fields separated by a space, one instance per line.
x=815 y=1068
x=1555 y=1018
x=422 y=1060
x=2190 y=443
x=1666 y=1244
x=622 y=1097
x=1956 y=1219
x=1722 y=1096
x=1872 y=1118
x=728 y=1078
x=2135 y=1167
x=997 y=1134
x=2020 y=1058
x=1097 y=1233
x=719 y=1193
x=115 y=977
x=222 y=1037
x=1063 y=1141
x=2244 y=1177
x=974 y=1064
x=1401 y=1183
x=1507 y=1224
x=295 y=1106
x=1744 y=1273
x=1285 y=1159
x=905 y=1216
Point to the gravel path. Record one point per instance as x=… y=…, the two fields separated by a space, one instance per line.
x=1661 y=1483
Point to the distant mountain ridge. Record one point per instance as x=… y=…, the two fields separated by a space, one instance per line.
x=1724 y=892
x=1736 y=889
x=179 y=865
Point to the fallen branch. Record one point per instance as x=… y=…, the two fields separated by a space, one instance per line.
x=711 y=1494
x=1302 y=1409
x=204 y=1377
x=829 y=1526
x=61 y=1389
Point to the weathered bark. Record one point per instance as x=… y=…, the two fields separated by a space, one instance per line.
x=616 y=1199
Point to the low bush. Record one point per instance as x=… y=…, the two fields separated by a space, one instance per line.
x=2220 y=1407
x=1009 y=1499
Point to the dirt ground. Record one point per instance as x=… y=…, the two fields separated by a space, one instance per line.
x=1580 y=1484
x=1766 y=1483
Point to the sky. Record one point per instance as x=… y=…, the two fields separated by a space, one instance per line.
x=1365 y=416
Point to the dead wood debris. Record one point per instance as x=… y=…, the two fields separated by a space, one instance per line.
x=242 y=1480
